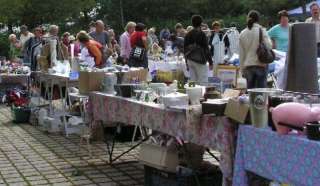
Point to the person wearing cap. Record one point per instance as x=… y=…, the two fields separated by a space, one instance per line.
x=315 y=18
x=125 y=46
x=279 y=34
x=94 y=47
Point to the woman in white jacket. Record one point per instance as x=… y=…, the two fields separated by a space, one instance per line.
x=252 y=69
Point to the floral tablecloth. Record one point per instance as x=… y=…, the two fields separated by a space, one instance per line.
x=213 y=132
x=284 y=158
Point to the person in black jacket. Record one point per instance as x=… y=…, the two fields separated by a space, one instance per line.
x=219 y=44
x=196 y=51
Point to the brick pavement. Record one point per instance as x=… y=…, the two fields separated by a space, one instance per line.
x=29 y=156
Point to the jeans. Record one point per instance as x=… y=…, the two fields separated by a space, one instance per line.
x=256 y=77
x=198 y=72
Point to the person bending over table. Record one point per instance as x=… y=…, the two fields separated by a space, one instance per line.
x=94 y=47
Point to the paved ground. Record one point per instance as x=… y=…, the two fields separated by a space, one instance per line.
x=29 y=156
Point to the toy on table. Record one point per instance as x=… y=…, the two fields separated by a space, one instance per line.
x=295 y=114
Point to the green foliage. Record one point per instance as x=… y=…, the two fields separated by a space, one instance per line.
x=161 y=13
x=34 y=12
x=4 y=45
x=158 y=13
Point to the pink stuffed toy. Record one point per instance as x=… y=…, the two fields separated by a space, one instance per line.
x=295 y=114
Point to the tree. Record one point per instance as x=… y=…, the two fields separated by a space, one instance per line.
x=34 y=12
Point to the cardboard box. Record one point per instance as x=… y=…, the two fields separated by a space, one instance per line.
x=237 y=111
x=159 y=157
x=137 y=75
x=90 y=81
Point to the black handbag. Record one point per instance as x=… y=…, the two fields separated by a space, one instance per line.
x=264 y=53
x=196 y=53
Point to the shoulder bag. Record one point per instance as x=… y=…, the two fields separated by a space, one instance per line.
x=264 y=53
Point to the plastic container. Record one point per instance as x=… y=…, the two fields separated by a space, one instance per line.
x=259 y=105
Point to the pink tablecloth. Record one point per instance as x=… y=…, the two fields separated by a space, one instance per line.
x=212 y=132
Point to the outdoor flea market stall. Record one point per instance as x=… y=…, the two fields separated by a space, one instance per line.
x=262 y=134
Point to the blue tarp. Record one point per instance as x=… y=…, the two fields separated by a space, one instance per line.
x=299 y=11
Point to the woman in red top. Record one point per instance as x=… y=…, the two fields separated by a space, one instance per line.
x=138 y=39
x=94 y=47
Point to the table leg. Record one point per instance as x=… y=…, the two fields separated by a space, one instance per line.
x=110 y=149
x=211 y=154
x=51 y=97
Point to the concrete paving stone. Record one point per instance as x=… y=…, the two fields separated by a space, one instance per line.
x=102 y=180
x=82 y=182
x=108 y=184
x=77 y=178
x=115 y=174
x=14 y=180
x=43 y=163
x=98 y=175
x=33 y=173
x=24 y=167
x=35 y=178
x=31 y=169
x=7 y=167
x=11 y=175
x=57 y=180
x=92 y=172
x=120 y=178
x=53 y=176
x=9 y=171
x=63 y=184
x=128 y=182
x=68 y=174
x=51 y=172
x=19 y=184
x=39 y=182
x=42 y=169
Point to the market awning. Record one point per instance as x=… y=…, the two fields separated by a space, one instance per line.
x=298 y=11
